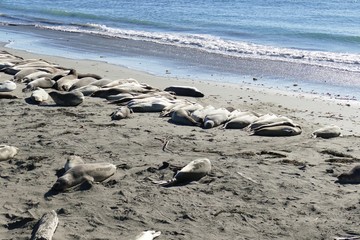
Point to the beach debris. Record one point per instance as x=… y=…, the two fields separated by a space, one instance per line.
x=193 y=171
x=46 y=226
x=7 y=86
x=330 y=131
x=247 y=178
x=7 y=152
x=351 y=177
x=81 y=173
x=185 y=91
x=121 y=113
x=148 y=235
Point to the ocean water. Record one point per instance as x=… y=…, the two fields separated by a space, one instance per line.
x=315 y=44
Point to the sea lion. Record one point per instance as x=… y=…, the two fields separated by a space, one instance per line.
x=72 y=98
x=102 y=82
x=200 y=114
x=73 y=161
x=91 y=172
x=193 y=171
x=43 y=82
x=46 y=226
x=121 y=113
x=277 y=131
x=7 y=86
x=150 y=104
x=117 y=82
x=186 y=105
x=185 y=91
x=36 y=75
x=7 y=152
x=7 y=96
x=82 y=82
x=240 y=122
x=65 y=83
x=216 y=118
x=39 y=95
x=269 y=120
x=88 y=90
x=148 y=235
x=182 y=117
x=351 y=177
x=330 y=131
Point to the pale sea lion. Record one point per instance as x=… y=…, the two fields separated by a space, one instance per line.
x=72 y=98
x=120 y=82
x=182 y=117
x=121 y=113
x=193 y=171
x=82 y=82
x=102 y=82
x=7 y=86
x=216 y=118
x=200 y=114
x=7 y=152
x=73 y=161
x=269 y=120
x=148 y=235
x=39 y=95
x=150 y=104
x=36 y=75
x=351 y=177
x=185 y=91
x=91 y=172
x=277 y=131
x=327 y=132
x=43 y=82
x=46 y=226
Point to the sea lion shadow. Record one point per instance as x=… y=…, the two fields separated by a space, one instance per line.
x=345 y=182
x=30 y=101
x=51 y=192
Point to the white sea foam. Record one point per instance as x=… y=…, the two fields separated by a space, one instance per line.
x=212 y=44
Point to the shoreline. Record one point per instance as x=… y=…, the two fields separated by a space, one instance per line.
x=294 y=177
x=156 y=59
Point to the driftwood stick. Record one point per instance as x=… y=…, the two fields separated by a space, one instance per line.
x=46 y=226
x=247 y=178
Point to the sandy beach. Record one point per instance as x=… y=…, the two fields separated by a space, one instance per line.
x=286 y=189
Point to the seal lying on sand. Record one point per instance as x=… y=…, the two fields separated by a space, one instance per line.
x=39 y=95
x=73 y=161
x=194 y=171
x=351 y=177
x=7 y=86
x=277 y=131
x=46 y=226
x=185 y=91
x=148 y=235
x=182 y=117
x=91 y=172
x=7 y=152
x=327 y=132
x=121 y=113
x=73 y=98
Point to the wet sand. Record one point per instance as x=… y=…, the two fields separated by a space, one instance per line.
x=292 y=194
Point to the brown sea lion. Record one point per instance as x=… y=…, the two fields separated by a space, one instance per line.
x=72 y=98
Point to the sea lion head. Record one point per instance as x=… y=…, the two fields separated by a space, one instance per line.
x=209 y=124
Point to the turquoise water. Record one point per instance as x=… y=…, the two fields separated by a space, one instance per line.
x=323 y=34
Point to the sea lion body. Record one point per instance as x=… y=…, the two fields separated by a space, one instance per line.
x=240 y=122
x=87 y=90
x=216 y=118
x=150 y=104
x=7 y=86
x=7 y=152
x=193 y=171
x=277 y=131
x=43 y=82
x=82 y=82
x=39 y=95
x=327 y=132
x=73 y=161
x=185 y=91
x=182 y=117
x=72 y=98
x=121 y=113
x=93 y=172
x=351 y=177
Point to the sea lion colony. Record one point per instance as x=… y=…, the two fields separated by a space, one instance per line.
x=70 y=88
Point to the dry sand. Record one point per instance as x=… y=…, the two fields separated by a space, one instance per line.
x=292 y=195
